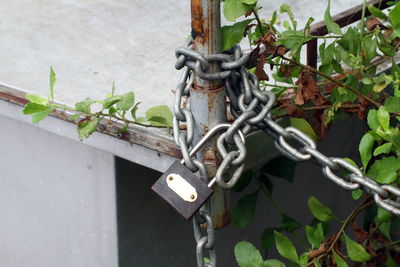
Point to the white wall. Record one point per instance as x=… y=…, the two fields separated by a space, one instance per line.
x=57 y=200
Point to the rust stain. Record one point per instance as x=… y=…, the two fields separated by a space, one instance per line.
x=210 y=157
x=13 y=99
x=199 y=31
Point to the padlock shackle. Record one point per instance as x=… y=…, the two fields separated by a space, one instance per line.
x=209 y=134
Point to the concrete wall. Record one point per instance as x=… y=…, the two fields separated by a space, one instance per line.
x=57 y=200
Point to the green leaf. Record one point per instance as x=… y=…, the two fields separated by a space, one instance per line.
x=304 y=258
x=288 y=224
x=320 y=211
x=387 y=49
x=247 y=255
x=86 y=128
x=126 y=102
x=111 y=101
x=377 y=12
x=37 y=99
x=316 y=262
x=372 y=119
x=339 y=261
x=303 y=126
x=383 y=149
x=365 y=148
x=235 y=8
x=52 y=83
x=249 y=2
x=32 y=108
x=134 y=110
x=383 y=215
x=233 y=34
x=285 y=247
x=267 y=238
x=356 y=194
x=327 y=54
x=384 y=170
x=284 y=8
x=273 y=263
x=390 y=262
x=38 y=116
x=162 y=111
x=392 y=104
x=84 y=106
x=369 y=46
x=385 y=229
x=157 y=120
x=355 y=251
x=244 y=210
x=330 y=24
x=383 y=118
x=292 y=39
x=315 y=235
x=394 y=15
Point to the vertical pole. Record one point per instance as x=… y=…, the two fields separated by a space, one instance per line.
x=207 y=98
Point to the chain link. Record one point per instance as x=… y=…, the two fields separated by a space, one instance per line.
x=251 y=109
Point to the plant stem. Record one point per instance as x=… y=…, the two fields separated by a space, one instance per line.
x=325 y=36
x=329 y=78
x=364 y=204
x=55 y=106
x=363 y=18
x=329 y=106
x=390 y=244
x=280 y=86
x=259 y=24
x=274 y=204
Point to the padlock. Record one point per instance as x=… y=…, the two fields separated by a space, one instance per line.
x=182 y=189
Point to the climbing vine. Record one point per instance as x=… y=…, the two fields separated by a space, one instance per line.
x=345 y=83
x=122 y=108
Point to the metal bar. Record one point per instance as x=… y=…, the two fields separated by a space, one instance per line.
x=344 y=18
x=207 y=98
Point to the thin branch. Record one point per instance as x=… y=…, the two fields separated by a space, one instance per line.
x=327 y=77
x=259 y=23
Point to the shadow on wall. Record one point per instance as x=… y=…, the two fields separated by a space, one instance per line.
x=151 y=233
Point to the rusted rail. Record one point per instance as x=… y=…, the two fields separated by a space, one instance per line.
x=135 y=134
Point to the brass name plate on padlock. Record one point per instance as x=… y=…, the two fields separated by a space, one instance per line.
x=185 y=191
x=180 y=186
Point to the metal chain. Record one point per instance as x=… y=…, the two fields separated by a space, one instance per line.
x=251 y=108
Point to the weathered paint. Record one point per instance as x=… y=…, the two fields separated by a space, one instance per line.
x=208 y=98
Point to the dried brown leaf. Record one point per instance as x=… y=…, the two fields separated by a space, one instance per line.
x=307 y=90
x=372 y=23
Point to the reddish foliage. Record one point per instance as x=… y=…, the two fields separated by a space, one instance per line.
x=319 y=126
x=293 y=110
x=372 y=23
x=286 y=70
x=307 y=90
x=361 y=234
x=260 y=73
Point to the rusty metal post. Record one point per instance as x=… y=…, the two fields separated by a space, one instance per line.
x=207 y=98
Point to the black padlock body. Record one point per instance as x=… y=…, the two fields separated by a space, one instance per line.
x=186 y=209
